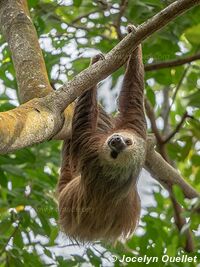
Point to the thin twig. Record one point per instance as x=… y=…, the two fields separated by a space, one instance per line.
x=177 y=88
x=179 y=85
x=8 y=240
x=117 y=23
x=178 y=127
x=165 y=107
x=152 y=118
x=171 y=63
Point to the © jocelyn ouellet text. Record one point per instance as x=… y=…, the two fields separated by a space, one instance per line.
x=147 y=259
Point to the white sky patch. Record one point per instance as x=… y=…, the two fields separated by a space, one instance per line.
x=106 y=96
x=197 y=146
x=65 y=2
x=150 y=82
x=2 y=87
x=94 y=15
x=9 y=185
x=82 y=41
x=106 y=13
x=71 y=49
x=114 y=11
x=160 y=123
x=90 y=24
x=71 y=29
x=159 y=98
x=47 y=170
x=27 y=190
x=83 y=20
x=150 y=60
x=80 y=33
x=9 y=75
x=177 y=117
x=46 y=44
x=55 y=72
x=64 y=26
x=183 y=48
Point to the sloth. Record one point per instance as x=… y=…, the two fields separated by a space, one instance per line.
x=101 y=161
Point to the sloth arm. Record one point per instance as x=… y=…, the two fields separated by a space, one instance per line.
x=131 y=99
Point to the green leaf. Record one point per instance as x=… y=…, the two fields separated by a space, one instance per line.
x=193 y=34
x=95 y=260
x=178 y=193
x=3 y=179
x=193 y=99
x=5 y=226
x=151 y=96
x=77 y=3
x=17 y=239
x=33 y=3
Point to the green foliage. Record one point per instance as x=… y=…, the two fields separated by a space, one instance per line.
x=28 y=210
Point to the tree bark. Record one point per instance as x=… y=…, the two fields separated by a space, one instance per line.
x=19 y=31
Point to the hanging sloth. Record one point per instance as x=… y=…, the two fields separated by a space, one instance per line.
x=101 y=162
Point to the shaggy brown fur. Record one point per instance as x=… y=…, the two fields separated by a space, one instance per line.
x=97 y=190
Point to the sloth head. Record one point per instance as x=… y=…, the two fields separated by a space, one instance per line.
x=121 y=148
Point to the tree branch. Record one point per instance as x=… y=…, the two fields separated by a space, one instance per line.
x=20 y=33
x=151 y=115
x=179 y=85
x=117 y=23
x=177 y=89
x=178 y=127
x=171 y=63
x=164 y=173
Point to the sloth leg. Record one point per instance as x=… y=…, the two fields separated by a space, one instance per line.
x=65 y=172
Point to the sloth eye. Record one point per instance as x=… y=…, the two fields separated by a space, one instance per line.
x=128 y=142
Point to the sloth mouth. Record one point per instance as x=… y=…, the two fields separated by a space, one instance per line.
x=114 y=154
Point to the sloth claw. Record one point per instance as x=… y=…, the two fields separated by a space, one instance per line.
x=98 y=57
x=131 y=28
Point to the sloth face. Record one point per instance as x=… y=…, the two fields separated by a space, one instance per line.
x=121 y=148
x=118 y=143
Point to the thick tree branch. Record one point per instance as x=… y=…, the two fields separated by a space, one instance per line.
x=32 y=122
x=20 y=33
x=171 y=63
x=60 y=99
x=164 y=173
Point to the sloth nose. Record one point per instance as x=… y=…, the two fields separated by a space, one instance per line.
x=117 y=143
